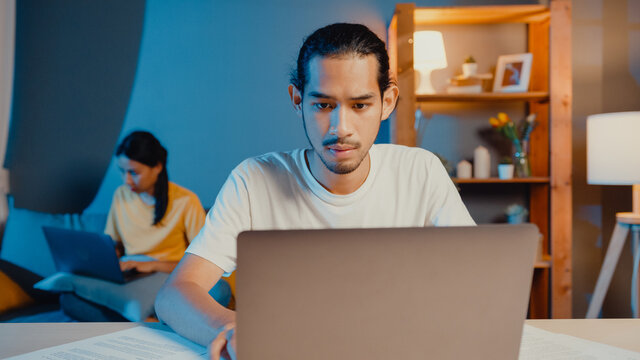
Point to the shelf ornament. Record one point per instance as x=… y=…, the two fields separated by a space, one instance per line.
x=519 y=137
x=516 y=214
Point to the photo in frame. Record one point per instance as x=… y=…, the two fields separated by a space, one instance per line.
x=512 y=73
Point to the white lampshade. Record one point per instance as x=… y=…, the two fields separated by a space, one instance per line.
x=428 y=55
x=428 y=50
x=613 y=148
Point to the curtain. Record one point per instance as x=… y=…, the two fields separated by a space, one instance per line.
x=7 y=45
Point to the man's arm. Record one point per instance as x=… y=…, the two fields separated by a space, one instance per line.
x=185 y=305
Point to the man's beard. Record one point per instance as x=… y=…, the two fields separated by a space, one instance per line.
x=335 y=167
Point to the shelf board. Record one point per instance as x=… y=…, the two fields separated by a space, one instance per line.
x=545 y=263
x=542 y=264
x=539 y=96
x=492 y=14
x=525 y=180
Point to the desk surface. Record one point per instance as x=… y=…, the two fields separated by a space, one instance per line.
x=623 y=333
x=18 y=339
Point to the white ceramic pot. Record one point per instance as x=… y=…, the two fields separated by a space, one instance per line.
x=469 y=69
x=463 y=170
x=505 y=171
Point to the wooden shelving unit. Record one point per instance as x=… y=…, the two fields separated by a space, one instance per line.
x=525 y=180
x=549 y=96
x=539 y=96
x=545 y=263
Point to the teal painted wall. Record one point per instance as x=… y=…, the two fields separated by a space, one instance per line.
x=212 y=81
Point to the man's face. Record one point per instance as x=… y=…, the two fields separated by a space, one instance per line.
x=342 y=109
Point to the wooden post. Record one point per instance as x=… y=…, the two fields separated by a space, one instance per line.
x=539 y=303
x=538 y=45
x=402 y=122
x=561 y=177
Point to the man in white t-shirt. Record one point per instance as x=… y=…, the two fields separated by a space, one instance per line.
x=342 y=90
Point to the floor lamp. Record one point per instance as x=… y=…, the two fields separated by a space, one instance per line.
x=613 y=158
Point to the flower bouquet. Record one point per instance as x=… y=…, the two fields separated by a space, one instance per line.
x=519 y=137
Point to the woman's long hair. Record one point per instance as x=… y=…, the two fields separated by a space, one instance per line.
x=143 y=147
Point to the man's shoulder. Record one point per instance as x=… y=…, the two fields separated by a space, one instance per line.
x=398 y=154
x=271 y=163
x=402 y=162
x=277 y=157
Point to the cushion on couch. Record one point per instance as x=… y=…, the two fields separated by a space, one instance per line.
x=25 y=279
x=13 y=297
x=17 y=292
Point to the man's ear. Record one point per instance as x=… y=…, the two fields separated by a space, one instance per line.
x=296 y=98
x=389 y=99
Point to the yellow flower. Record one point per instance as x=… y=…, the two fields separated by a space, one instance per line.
x=494 y=122
x=504 y=118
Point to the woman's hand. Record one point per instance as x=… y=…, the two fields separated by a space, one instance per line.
x=149 y=266
x=224 y=345
x=140 y=266
x=119 y=248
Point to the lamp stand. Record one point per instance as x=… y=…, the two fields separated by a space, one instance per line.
x=423 y=79
x=624 y=222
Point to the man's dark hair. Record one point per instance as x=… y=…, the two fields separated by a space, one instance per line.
x=144 y=148
x=338 y=40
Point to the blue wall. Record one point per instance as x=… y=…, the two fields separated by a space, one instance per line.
x=210 y=82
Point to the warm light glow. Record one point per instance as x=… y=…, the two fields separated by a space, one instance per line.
x=428 y=49
x=613 y=149
x=428 y=55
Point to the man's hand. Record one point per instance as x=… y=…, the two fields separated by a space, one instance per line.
x=224 y=345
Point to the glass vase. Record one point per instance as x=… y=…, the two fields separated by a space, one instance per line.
x=521 y=164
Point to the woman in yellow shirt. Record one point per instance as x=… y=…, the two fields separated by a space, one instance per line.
x=151 y=219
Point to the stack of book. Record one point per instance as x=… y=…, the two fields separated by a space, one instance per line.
x=467 y=85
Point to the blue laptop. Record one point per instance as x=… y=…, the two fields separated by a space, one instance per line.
x=86 y=253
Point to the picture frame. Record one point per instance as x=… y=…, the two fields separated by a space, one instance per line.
x=513 y=73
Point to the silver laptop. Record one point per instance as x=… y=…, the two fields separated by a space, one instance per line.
x=403 y=293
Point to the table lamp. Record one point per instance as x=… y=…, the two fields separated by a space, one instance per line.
x=428 y=55
x=613 y=158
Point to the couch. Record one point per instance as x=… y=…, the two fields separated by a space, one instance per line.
x=25 y=261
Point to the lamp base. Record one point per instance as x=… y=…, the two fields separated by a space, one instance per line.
x=628 y=218
x=423 y=80
x=632 y=218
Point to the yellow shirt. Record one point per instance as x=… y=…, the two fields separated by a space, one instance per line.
x=130 y=221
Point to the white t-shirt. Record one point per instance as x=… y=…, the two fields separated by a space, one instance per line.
x=406 y=187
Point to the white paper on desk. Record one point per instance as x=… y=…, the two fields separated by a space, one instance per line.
x=541 y=344
x=138 y=343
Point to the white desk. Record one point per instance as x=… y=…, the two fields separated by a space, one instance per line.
x=623 y=333
x=18 y=339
